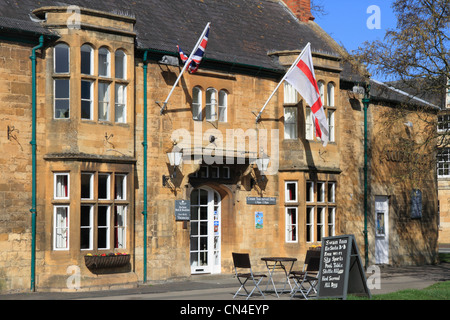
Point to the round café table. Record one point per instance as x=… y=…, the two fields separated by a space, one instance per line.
x=273 y=263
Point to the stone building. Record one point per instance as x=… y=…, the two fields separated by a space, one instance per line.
x=96 y=179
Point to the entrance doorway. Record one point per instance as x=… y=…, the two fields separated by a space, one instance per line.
x=205 y=231
x=381 y=230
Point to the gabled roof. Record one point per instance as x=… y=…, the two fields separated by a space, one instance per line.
x=242 y=31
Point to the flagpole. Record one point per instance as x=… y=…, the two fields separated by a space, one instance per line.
x=185 y=66
x=279 y=84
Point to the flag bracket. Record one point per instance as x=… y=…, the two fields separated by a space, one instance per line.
x=163 y=107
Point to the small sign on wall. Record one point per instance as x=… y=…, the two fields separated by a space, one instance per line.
x=259 y=220
x=182 y=210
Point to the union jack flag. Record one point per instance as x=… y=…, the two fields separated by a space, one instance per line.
x=197 y=56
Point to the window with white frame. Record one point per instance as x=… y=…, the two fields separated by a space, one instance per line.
x=104 y=63
x=86 y=227
x=291 y=224
x=223 y=105
x=103 y=217
x=87 y=99
x=310 y=131
x=61 y=186
x=61 y=227
x=120 y=226
x=443 y=122
x=61 y=58
x=290 y=123
x=121 y=103
x=331 y=125
x=120 y=64
x=321 y=86
x=103 y=101
x=61 y=98
x=443 y=163
x=330 y=94
x=197 y=103
x=211 y=104
x=320 y=209
x=290 y=191
x=290 y=94
x=87 y=60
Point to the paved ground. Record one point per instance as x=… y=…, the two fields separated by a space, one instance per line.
x=222 y=287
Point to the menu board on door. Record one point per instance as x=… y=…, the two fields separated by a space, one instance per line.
x=341 y=270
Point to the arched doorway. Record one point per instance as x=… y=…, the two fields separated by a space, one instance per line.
x=205 y=231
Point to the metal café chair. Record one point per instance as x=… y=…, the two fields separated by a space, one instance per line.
x=242 y=262
x=307 y=279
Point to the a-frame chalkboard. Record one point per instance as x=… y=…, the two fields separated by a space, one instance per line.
x=341 y=271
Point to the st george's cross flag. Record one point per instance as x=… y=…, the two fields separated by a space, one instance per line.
x=302 y=77
x=197 y=57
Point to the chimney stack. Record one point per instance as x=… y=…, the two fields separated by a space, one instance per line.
x=301 y=8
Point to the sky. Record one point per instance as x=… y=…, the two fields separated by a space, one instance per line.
x=352 y=22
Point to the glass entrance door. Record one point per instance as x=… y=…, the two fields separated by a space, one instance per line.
x=205 y=231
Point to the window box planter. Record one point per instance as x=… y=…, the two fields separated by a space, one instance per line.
x=106 y=261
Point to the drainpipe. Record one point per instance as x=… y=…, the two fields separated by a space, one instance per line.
x=366 y=101
x=145 y=144
x=33 y=146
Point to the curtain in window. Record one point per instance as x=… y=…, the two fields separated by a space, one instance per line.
x=290 y=123
x=61 y=228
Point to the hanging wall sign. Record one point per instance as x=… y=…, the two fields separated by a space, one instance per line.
x=182 y=210
x=341 y=269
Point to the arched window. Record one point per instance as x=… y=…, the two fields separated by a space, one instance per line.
x=61 y=58
x=104 y=62
x=321 y=86
x=211 y=104
x=223 y=105
x=87 y=59
x=330 y=96
x=197 y=103
x=120 y=62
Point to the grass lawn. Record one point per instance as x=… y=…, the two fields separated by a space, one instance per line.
x=437 y=291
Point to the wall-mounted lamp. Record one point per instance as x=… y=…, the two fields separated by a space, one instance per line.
x=174 y=157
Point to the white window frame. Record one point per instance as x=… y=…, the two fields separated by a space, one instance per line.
x=223 y=106
x=330 y=95
x=331 y=192
x=120 y=228
x=291 y=227
x=91 y=185
x=88 y=49
x=103 y=51
x=120 y=93
x=61 y=45
x=108 y=186
x=310 y=219
x=211 y=104
x=331 y=221
x=286 y=192
x=321 y=86
x=90 y=100
x=120 y=55
x=331 y=124
x=123 y=179
x=290 y=122
x=443 y=163
x=90 y=226
x=310 y=131
x=197 y=94
x=56 y=228
x=290 y=94
x=55 y=186
x=55 y=99
x=105 y=102
x=107 y=226
x=309 y=191
x=320 y=223
x=321 y=191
